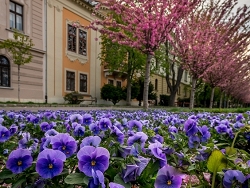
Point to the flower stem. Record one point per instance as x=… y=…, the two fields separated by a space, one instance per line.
x=213 y=180
x=232 y=146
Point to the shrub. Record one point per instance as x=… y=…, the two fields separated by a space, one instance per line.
x=183 y=102
x=112 y=93
x=164 y=100
x=71 y=99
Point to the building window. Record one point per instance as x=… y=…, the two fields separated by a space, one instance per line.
x=4 y=72
x=156 y=84
x=185 y=92
x=16 y=16
x=82 y=42
x=70 y=81
x=111 y=82
x=83 y=82
x=118 y=84
x=185 y=76
x=71 y=38
x=179 y=90
x=77 y=40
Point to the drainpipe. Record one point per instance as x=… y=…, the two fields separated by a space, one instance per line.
x=46 y=56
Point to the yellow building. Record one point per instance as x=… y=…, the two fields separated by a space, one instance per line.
x=72 y=52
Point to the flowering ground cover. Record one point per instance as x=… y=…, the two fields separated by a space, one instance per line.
x=120 y=149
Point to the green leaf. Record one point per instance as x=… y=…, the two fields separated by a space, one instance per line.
x=119 y=180
x=231 y=151
x=216 y=162
x=5 y=174
x=19 y=182
x=76 y=178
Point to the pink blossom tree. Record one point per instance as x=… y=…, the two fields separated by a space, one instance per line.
x=142 y=24
x=201 y=40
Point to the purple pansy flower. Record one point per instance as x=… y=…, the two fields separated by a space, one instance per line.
x=79 y=130
x=45 y=126
x=104 y=124
x=87 y=119
x=28 y=143
x=65 y=143
x=51 y=132
x=19 y=160
x=119 y=134
x=168 y=177
x=90 y=158
x=194 y=142
x=91 y=141
x=132 y=171
x=115 y=185
x=232 y=176
x=190 y=127
x=50 y=163
x=94 y=128
x=140 y=137
x=221 y=129
x=96 y=180
x=156 y=150
x=4 y=134
x=135 y=124
x=13 y=129
x=76 y=118
x=205 y=134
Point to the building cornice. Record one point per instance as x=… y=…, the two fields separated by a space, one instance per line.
x=89 y=7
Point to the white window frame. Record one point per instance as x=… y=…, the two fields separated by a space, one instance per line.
x=73 y=56
x=112 y=80
x=65 y=80
x=79 y=72
x=118 y=81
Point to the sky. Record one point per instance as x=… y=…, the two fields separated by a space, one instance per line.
x=242 y=2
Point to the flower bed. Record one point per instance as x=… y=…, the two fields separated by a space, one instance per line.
x=128 y=149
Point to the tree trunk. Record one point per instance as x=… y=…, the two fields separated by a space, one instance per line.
x=191 y=106
x=212 y=98
x=18 y=83
x=128 y=100
x=146 y=82
x=172 y=98
x=221 y=99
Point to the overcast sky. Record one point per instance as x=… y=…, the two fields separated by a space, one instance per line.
x=242 y=2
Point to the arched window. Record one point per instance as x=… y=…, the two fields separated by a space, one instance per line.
x=4 y=72
x=156 y=84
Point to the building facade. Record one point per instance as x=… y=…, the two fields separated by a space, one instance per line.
x=27 y=16
x=65 y=54
x=72 y=52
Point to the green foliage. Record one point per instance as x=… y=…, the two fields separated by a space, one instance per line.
x=135 y=89
x=164 y=100
x=20 y=48
x=183 y=102
x=70 y=99
x=203 y=95
x=216 y=162
x=151 y=93
x=76 y=178
x=112 y=93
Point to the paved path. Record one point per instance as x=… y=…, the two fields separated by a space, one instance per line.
x=34 y=109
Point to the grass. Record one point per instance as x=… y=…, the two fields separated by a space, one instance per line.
x=170 y=109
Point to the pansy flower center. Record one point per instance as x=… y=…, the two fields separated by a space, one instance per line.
x=93 y=163
x=50 y=166
x=64 y=147
x=3 y=135
x=19 y=163
x=169 y=182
